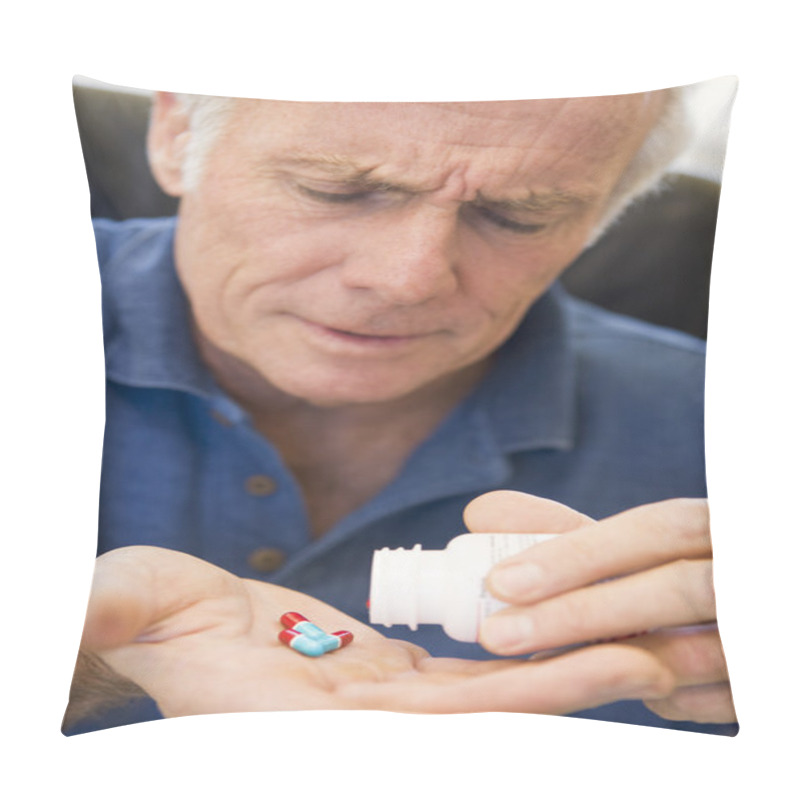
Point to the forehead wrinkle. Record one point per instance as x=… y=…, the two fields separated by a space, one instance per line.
x=541 y=136
x=609 y=131
x=539 y=140
x=535 y=119
x=487 y=109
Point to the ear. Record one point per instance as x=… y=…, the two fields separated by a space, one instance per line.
x=167 y=138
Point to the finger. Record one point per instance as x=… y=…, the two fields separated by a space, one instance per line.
x=583 y=679
x=694 y=655
x=679 y=593
x=134 y=588
x=517 y=512
x=634 y=540
x=705 y=704
x=695 y=658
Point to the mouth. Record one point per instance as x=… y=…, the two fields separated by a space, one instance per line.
x=362 y=339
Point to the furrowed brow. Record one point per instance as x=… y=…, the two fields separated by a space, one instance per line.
x=346 y=170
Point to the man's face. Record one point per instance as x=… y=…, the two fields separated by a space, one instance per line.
x=356 y=253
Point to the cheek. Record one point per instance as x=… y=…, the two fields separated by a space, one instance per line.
x=506 y=283
x=240 y=244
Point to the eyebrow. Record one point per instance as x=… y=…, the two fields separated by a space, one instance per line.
x=555 y=200
x=336 y=166
x=348 y=170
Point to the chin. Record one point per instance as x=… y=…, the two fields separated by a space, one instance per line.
x=339 y=398
x=342 y=391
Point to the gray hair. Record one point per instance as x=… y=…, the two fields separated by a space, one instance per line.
x=667 y=140
x=208 y=118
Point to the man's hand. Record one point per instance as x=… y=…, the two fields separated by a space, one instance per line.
x=200 y=640
x=659 y=557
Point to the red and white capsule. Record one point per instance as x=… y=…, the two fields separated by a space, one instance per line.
x=305 y=637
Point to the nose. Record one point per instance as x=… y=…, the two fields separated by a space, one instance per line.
x=406 y=258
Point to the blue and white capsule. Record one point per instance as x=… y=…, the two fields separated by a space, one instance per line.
x=309 y=639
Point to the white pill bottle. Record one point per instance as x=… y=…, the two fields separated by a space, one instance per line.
x=443 y=587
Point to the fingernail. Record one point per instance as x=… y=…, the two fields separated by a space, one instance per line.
x=506 y=632
x=515 y=580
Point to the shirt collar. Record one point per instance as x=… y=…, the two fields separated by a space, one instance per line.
x=527 y=401
x=147 y=322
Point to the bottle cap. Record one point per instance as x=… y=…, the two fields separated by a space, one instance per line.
x=393 y=599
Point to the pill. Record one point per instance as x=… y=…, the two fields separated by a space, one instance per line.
x=303 y=636
x=344 y=637
x=301 y=643
x=289 y=619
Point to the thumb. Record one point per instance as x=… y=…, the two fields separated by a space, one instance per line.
x=136 y=589
x=120 y=603
x=517 y=512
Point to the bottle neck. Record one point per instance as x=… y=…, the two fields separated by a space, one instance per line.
x=408 y=587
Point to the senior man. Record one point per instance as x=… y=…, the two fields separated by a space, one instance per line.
x=351 y=338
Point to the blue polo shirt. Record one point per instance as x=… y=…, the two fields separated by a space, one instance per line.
x=592 y=409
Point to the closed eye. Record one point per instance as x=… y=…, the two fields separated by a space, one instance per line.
x=336 y=197
x=359 y=193
x=508 y=223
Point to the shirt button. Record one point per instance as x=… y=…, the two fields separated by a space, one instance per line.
x=221 y=418
x=260 y=485
x=266 y=559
